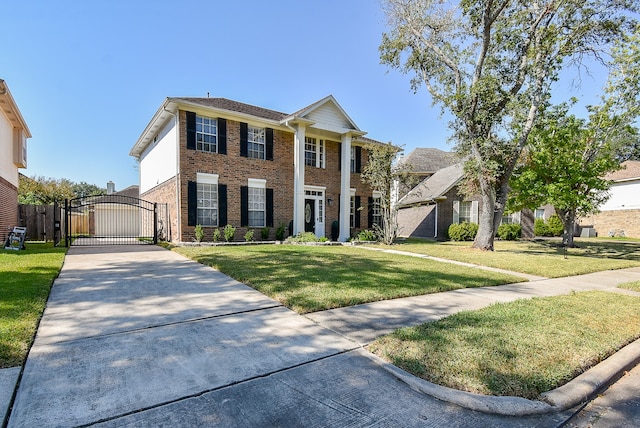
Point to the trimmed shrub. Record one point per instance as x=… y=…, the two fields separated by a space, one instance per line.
x=367 y=235
x=280 y=231
x=540 y=228
x=229 y=231
x=303 y=237
x=556 y=228
x=264 y=233
x=199 y=232
x=509 y=232
x=463 y=231
x=248 y=236
x=216 y=235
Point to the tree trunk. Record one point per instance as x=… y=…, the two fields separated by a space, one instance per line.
x=568 y=218
x=486 y=224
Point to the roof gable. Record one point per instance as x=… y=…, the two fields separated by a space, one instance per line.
x=326 y=114
x=434 y=186
x=429 y=160
x=10 y=109
x=630 y=171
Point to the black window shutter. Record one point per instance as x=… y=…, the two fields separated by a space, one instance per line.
x=192 y=203
x=269 y=207
x=244 y=139
x=358 y=159
x=222 y=136
x=357 y=213
x=191 y=130
x=222 y=204
x=339 y=156
x=244 y=206
x=269 y=143
x=370 y=213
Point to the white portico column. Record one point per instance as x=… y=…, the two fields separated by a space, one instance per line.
x=298 y=179
x=345 y=189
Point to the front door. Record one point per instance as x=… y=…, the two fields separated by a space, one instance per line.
x=310 y=215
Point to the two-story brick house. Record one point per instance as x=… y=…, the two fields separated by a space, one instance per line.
x=13 y=155
x=215 y=161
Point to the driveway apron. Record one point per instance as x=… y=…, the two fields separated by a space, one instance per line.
x=141 y=336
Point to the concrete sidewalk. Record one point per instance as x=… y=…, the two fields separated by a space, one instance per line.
x=141 y=336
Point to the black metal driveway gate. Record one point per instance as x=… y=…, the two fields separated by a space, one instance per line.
x=110 y=220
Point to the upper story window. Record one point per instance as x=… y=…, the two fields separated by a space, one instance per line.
x=206 y=134
x=255 y=142
x=353 y=159
x=314 y=152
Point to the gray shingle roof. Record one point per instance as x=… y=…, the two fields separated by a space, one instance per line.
x=629 y=171
x=429 y=160
x=435 y=186
x=235 y=106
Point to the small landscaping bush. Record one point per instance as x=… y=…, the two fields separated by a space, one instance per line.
x=216 y=235
x=199 y=232
x=556 y=228
x=264 y=233
x=463 y=231
x=509 y=232
x=280 y=232
x=248 y=236
x=229 y=232
x=367 y=235
x=303 y=237
x=540 y=228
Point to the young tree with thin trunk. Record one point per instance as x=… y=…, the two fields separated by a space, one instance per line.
x=490 y=64
x=384 y=174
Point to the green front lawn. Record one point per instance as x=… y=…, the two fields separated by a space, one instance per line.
x=521 y=348
x=25 y=280
x=544 y=257
x=633 y=286
x=314 y=278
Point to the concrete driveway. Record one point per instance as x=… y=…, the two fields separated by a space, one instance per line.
x=141 y=336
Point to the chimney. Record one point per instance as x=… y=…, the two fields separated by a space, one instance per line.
x=111 y=187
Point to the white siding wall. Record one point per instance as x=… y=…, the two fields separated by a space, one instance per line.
x=8 y=169
x=624 y=196
x=328 y=117
x=159 y=161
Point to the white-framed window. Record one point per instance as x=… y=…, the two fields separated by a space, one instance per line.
x=465 y=211
x=257 y=203
x=206 y=134
x=353 y=159
x=376 y=209
x=255 y=142
x=511 y=218
x=314 y=152
x=207 y=188
x=539 y=214
x=352 y=208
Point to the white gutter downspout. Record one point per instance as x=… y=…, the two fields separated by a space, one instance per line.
x=435 y=227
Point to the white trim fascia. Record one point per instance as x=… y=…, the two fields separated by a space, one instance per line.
x=315 y=188
x=226 y=114
x=166 y=111
x=11 y=109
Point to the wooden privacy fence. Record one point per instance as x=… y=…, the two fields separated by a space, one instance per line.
x=40 y=221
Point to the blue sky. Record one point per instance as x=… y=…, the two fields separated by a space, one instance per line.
x=89 y=75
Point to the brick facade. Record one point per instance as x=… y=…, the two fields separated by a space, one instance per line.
x=234 y=171
x=8 y=207
x=614 y=221
x=165 y=193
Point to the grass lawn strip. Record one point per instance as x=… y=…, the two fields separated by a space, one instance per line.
x=544 y=258
x=314 y=278
x=522 y=348
x=633 y=286
x=25 y=280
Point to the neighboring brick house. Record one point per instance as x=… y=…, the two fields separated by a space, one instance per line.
x=621 y=213
x=432 y=206
x=215 y=161
x=423 y=162
x=13 y=155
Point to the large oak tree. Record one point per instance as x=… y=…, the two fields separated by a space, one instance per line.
x=491 y=65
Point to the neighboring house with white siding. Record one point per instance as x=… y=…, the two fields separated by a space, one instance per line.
x=620 y=214
x=13 y=155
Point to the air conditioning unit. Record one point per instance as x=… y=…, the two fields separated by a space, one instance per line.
x=19 y=148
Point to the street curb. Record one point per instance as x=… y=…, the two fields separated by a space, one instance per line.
x=579 y=390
